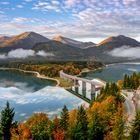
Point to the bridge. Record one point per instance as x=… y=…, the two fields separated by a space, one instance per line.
x=95 y=86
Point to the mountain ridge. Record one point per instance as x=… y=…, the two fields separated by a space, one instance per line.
x=25 y=40
x=72 y=42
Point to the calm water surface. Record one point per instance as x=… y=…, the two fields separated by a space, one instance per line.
x=113 y=72
x=28 y=94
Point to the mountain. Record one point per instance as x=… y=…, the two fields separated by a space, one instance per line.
x=103 y=49
x=60 y=50
x=3 y=38
x=118 y=41
x=25 y=40
x=73 y=42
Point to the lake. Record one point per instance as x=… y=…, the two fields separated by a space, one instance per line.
x=29 y=94
x=113 y=72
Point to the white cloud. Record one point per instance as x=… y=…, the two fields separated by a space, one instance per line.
x=46 y=6
x=20 y=53
x=53 y=98
x=2 y=56
x=88 y=19
x=20 y=19
x=126 y=51
x=28 y=0
x=44 y=54
x=19 y=6
x=5 y=3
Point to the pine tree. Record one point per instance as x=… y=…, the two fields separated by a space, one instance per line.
x=64 y=120
x=96 y=128
x=6 y=120
x=135 y=130
x=118 y=122
x=81 y=127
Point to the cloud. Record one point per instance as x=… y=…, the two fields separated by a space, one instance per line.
x=20 y=19
x=126 y=51
x=22 y=54
x=47 y=6
x=80 y=19
x=44 y=54
x=5 y=3
x=19 y=6
x=49 y=100
x=28 y=0
x=3 y=56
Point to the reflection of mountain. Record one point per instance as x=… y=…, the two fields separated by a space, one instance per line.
x=63 y=48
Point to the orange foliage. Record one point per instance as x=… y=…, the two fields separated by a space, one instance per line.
x=26 y=133
x=36 y=118
x=56 y=123
x=59 y=135
x=120 y=84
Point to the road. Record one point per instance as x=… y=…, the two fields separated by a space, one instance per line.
x=129 y=107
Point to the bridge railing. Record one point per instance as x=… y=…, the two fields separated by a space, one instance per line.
x=71 y=77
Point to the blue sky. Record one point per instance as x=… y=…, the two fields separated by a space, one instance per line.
x=78 y=19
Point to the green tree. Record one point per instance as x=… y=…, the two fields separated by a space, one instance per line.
x=96 y=128
x=40 y=126
x=118 y=121
x=135 y=130
x=6 y=121
x=42 y=131
x=64 y=120
x=81 y=127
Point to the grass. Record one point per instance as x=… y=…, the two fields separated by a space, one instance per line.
x=64 y=83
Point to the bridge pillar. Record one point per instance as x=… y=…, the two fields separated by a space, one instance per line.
x=76 y=84
x=84 y=88
x=93 y=91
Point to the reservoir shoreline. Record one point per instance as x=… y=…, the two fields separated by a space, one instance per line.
x=38 y=75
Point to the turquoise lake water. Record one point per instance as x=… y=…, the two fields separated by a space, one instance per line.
x=114 y=72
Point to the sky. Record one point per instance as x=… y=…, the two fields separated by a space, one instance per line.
x=85 y=20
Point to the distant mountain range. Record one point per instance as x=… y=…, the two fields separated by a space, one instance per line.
x=64 y=48
x=74 y=43
x=25 y=40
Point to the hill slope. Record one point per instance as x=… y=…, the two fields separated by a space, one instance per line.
x=3 y=39
x=25 y=40
x=103 y=49
x=73 y=42
x=60 y=50
x=118 y=41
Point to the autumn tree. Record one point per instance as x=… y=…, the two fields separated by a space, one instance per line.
x=6 y=121
x=56 y=123
x=40 y=126
x=59 y=135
